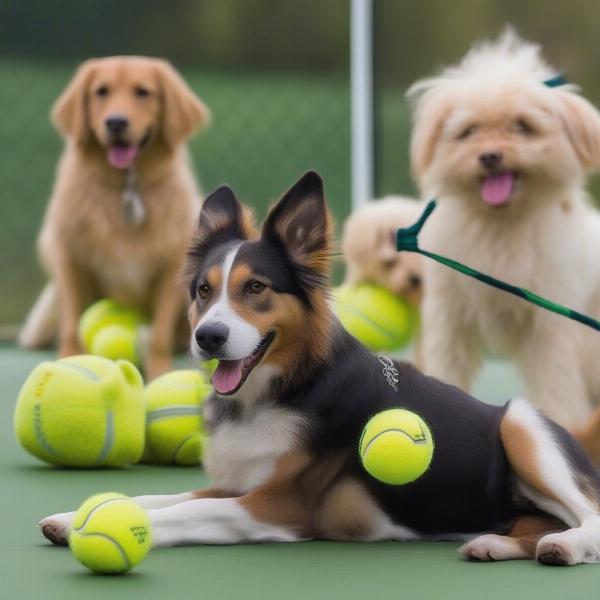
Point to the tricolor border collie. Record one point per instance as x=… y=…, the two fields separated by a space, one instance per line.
x=293 y=392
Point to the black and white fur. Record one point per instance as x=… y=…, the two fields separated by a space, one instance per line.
x=282 y=456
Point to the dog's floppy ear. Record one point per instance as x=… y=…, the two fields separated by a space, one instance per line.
x=582 y=124
x=183 y=111
x=69 y=113
x=300 y=221
x=430 y=114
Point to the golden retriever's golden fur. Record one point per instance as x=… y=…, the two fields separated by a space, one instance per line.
x=125 y=121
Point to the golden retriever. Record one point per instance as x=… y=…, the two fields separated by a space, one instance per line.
x=124 y=203
x=508 y=158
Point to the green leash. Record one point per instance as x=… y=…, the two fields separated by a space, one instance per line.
x=407 y=239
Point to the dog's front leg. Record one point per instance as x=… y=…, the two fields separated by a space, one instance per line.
x=450 y=341
x=74 y=293
x=550 y=361
x=167 y=307
x=56 y=527
x=223 y=521
x=273 y=512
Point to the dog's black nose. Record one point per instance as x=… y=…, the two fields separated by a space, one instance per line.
x=116 y=124
x=212 y=336
x=490 y=160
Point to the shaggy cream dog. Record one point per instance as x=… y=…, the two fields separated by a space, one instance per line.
x=507 y=157
x=369 y=247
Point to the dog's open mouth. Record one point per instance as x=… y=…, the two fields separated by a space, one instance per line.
x=122 y=155
x=231 y=374
x=497 y=188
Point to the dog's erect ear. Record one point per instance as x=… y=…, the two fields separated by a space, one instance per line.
x=582 y=124
x=69 y=113
x=222 y=215
x=301 y=222
x=429 y=118
x=183 y=111
x=222 y=219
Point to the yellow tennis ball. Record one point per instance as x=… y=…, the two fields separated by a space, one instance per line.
x=82 y=411
x=103 y=313
x=117 y=341
x=375 y=316
x=396 y=446
x=174 y=431
x=110 y=533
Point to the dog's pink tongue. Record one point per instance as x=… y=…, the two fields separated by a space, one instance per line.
x=122 y=157
x=496 y=189
x=227 y=376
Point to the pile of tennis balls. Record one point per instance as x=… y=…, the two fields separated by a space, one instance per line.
x=89 y=411
x=113 y=331
x=377 y=318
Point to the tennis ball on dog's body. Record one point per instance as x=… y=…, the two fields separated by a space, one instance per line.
x=110 y=533
x=396 y=446
x=174 y=432
x=82 y=411
x=104 y=313
x=375 y=316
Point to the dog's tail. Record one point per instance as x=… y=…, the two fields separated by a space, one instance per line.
x=589 y=437
x=41 y=326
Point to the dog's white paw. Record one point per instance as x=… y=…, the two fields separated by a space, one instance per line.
x=56 y=528
x=570 y=547
x=492 y=547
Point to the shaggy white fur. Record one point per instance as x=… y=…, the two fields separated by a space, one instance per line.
x=507 y=157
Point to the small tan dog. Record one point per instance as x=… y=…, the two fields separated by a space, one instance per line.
x=369 y=247
x=124 y=203
x=507 y=157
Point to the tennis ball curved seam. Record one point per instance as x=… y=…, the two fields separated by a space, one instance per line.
x=181 y=445
x=99 y=505
x=109 y=437
x=358 y=313
x=120 y=548
x=181 y=410
x=393 y=430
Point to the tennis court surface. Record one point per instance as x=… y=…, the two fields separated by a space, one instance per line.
x=30 y=568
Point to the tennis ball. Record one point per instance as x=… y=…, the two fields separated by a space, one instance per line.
x=82 y=411
x=396 y=446
x=110 y=533
x=375 y=316
x=117 y=341
x=174 y=432
x=103 y=313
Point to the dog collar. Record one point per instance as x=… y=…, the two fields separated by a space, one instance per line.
x=407 y=239
x=133 y=205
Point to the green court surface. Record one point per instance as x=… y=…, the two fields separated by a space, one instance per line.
x=30 y=568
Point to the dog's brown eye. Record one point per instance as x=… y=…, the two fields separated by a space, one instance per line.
x=522 y=126
x=102 y=91
x=141 y=92
x=203 y=291
x=466 y=132
x=256 y=287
